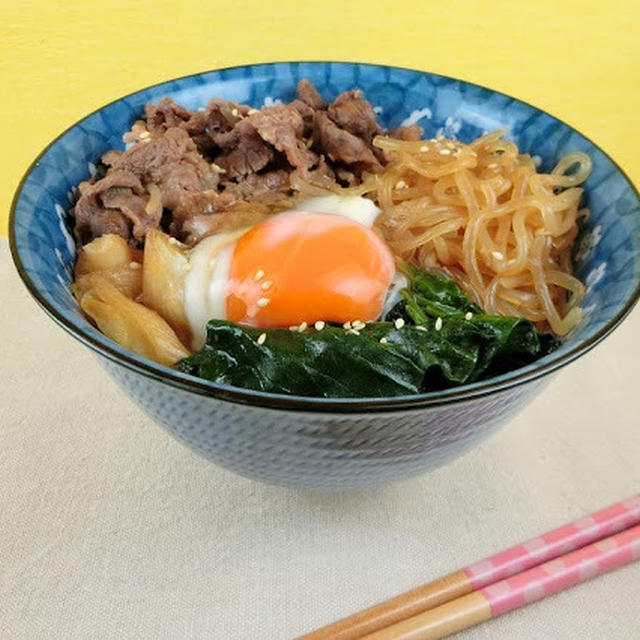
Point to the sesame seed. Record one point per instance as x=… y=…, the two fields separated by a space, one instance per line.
x=468 y=315
x=234 y=113
x=146 y=139
x=497 y=255
x=383 y=340
x=419 y=327
x=266 y=284
x=438 y=324
x=433 y=140
x=217 y=168
x=134 y=265
x=261 y=338
x=293 y=327
x=424 y=148
x=259 y=275
x=353 y=332
x=445 y=152
x=302 y=327
x=144 y=135
x=173 y=240
x=319 y=325
x=493 y=165
x=263 y=302
x=401 y=184
x=309 y=143
x=357 y=324
x=399 y=323
x=252 y=111
x=346 y=325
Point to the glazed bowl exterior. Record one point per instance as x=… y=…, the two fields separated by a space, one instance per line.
x=330 y=443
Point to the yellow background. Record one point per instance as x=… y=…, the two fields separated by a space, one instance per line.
x=58 y=61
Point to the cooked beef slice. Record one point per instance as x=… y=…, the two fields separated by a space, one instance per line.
x=208 y=164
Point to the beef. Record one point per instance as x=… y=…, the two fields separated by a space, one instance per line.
x=309 y=95
x=244 y=151
x=207 y=169
x=411 y=133
x=351 y=112
x=165 y=114
x=110 y=205
x=342 y=146
x=283 y=127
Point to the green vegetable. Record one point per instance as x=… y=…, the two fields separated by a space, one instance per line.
x=439 y=346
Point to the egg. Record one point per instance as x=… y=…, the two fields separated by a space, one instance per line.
x=321 y=261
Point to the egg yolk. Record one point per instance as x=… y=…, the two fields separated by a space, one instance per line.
x=302 y=267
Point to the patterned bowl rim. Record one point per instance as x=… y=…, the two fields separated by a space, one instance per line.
x=237 y=395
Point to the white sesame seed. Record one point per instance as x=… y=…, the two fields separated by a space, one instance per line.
x=497 y=255
x=445 y=152
x=399 y=323
x=144 y=135
x=252 y=111
x=234 y=113
x=425 y=147
x=438 y=324
x=146 y=139
x=353 y=332
x=419 y=327
x=134 y=265
x=383 y=340
x=493 y=165
x=261 y=338
x=319 y=325
x=259 y=275
x=357 y=324
x=401 y=184
x=433 y=140
x=263 y=302
x=293 y=327
x=173 y=240
x=346 y=325
x=217 y=168
x=266 y=285
x=302 y=327
x=468 y=315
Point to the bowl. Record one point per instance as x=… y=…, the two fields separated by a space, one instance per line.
x=330 y=443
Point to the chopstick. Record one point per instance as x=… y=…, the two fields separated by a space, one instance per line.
x=518 y=590
x=553 y=544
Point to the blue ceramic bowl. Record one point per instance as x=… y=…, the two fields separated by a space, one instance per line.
x=328 y=443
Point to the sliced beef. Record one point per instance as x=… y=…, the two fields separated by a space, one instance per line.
x=165 y=114
x=194 y=171
x=342 y=146
x=244 y=151
x=351 y=112
x=283 y=128
x=110 y=205
x=309 y=95
x=412 y=133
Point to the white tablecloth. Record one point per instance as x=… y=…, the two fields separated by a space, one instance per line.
x=111 y=529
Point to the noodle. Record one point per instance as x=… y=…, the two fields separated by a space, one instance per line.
x=483 y=214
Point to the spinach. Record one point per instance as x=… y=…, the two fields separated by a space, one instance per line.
x=440 y=346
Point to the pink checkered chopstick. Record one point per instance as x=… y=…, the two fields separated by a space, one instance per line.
x=523 y=573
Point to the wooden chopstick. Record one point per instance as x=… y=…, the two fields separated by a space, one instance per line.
x=518 y=590
x=553 y=544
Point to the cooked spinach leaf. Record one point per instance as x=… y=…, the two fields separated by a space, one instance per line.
x=447 y=341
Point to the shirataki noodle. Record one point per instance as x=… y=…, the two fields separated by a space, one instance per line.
x=483 y=214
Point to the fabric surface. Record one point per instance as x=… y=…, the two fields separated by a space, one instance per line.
x=111 y=529
x=579 y=60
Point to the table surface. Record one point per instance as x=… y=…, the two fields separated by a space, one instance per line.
x=110 y=529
